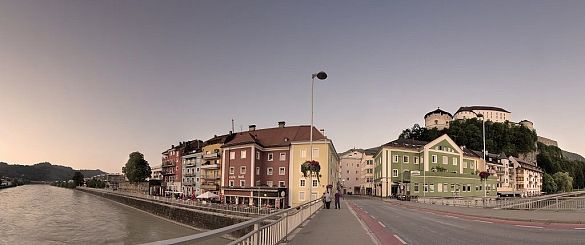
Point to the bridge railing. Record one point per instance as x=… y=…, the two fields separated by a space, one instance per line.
x=267 y=230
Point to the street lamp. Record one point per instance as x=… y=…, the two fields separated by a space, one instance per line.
x=321 y=76
x=483 y=136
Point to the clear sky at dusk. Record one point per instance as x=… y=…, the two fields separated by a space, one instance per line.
x=84 y=83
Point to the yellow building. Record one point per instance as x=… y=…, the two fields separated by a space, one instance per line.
x=211 y=164
x=324 y=152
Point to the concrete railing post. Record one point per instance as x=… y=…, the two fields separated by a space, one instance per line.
x=255 y=237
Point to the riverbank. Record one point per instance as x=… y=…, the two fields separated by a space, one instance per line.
x=196 y=218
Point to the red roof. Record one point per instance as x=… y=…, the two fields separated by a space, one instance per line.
x=275 y=137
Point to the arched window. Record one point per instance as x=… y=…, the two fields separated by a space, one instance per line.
x=436 y=122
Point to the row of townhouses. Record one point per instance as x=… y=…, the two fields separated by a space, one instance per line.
x=440 y=168
x=258 y=165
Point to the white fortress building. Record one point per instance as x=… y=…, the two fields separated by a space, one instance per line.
x=440 y=119
x=494 y=114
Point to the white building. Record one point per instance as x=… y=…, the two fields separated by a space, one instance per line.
x=490 y=113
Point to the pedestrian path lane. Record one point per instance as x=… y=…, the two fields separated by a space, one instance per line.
x=332 y=226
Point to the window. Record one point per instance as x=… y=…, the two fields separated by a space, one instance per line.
x=258 y=155
x=269 y=183
x=315 y=183
x=281 y=171
x=432 y=187
x=445 y=160
x=282 y=156
x=439 y=187
x=231 y=184
x=452 y=187
x=415 y=187
x=303 y=153
x=270 y=156
x=464 y=164
x=405 y=159
x=455 y=161
x=426 y=188
x=415 y=160
x=396 y=157
x=269 y=171
x=303 y=183
x=281 y=184
x=394 y=172
x=301 y=196
x=434 y=159
x=242 y=154
x=242 y=183
x=232 y=155
x=315 y=152
x=243 y=170
x=232 y=170
x=257 y=170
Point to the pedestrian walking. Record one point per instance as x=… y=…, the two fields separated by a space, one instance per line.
x=327 y=200
x=337 y=202
x=323 y=199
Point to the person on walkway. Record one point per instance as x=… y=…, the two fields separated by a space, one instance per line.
x=337 y=203
x=327 y=200
x=323 y=199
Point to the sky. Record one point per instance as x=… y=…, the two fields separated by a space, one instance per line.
x=85 y=83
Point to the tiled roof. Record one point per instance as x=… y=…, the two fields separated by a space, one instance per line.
x=438 y=111
x=275 y=137
x=372 y=151
x=484 y=108
x=470 y=153
x=406 y=143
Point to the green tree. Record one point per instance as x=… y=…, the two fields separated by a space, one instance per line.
x=136 y=169
x=78 y=178
x=564 y=181
x=548 y=184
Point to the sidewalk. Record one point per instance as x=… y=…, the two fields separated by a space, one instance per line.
x=541 y=216
x=332 y=226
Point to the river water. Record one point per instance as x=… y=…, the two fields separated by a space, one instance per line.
x=42 y=214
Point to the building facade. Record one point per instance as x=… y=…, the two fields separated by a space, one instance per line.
x=212 y=162
x=172 y=165
x=367 y=172
x=258 y=166
x=350 y=165
x=490 y=113
x=438 y=168
x=528 y=177
x=192 y=173
x=438 y=119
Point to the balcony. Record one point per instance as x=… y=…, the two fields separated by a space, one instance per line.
x=211 y=177
x=165 y=173
x=209 y=187
x=168 y=164
x=211 y=156
x=190 y=174
x=210 y=166
x=189 y=183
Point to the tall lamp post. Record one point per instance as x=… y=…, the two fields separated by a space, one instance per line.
x=483 y=137
x=321 y=76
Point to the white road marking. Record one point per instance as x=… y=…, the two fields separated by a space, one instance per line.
x=451 y=216
x=400 y=239
x=529 y=226
x=483 y=221
x=365 y=211
x=372 y=217
x=382 y=224
x=579 y=228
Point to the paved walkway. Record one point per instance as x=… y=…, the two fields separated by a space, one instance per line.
x=332 y=226
x=542 y=216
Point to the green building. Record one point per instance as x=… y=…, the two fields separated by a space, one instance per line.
x=438 y=168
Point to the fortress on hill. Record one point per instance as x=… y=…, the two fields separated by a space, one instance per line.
x=441 y=119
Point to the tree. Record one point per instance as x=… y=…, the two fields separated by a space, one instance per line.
x=136 y=169
x=548 y=184
x=564 y=181
x=78 y=178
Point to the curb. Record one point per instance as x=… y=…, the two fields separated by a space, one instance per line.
x=492 y=217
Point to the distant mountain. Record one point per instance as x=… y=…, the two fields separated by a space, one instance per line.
x=42 y=171
x=573 y=156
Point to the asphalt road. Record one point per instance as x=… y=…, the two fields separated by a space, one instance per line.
x=389 y=223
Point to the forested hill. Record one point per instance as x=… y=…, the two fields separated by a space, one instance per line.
x=42 y=172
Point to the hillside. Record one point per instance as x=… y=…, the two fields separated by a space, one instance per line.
x=42 y=171
x=573 y=156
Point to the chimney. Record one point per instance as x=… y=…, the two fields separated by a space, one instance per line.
x=322 y=131
x=172 y=146
x=252 y=127
x=281 y=124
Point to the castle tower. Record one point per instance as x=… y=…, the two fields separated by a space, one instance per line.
x=527 y=124
x=438 y=119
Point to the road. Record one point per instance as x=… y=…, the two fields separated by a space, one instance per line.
x=391 y=223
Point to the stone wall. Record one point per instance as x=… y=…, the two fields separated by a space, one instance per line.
x=547 y=141
x=196 y=218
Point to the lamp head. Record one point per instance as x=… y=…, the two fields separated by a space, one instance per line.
x=321 y=75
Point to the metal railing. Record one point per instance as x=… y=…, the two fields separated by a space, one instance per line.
x=280 y=225
x=561 y=201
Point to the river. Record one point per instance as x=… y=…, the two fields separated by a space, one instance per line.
x=42 y=214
